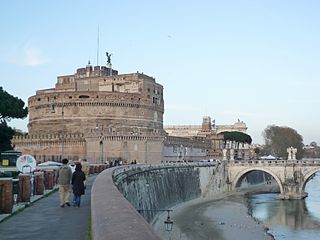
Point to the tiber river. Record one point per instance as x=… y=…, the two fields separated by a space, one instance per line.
x=294 y=219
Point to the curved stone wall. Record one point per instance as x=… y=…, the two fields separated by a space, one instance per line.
x=107 y=108
x=119 y=193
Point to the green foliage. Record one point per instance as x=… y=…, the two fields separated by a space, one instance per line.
x=237 y=137
x=11 y=107
x=6 y=134
x=278 y=139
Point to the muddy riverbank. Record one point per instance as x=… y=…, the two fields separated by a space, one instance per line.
x=223 y=218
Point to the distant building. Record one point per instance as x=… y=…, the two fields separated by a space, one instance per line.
x=210 y=132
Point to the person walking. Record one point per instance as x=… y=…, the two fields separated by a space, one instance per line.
x=86 y=169
x=78 y=178
x=64 y=180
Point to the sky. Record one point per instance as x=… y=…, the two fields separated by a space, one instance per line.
x=257 y=61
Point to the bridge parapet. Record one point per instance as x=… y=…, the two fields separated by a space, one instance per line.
x=259 y=162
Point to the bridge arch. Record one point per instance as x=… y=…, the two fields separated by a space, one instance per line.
x=240 y=174
x=307 y=178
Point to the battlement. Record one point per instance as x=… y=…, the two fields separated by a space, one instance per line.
x=96 y=71
x=185 y=141
x=51 y=137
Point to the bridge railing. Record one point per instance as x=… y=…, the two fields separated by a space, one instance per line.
x=308 y=162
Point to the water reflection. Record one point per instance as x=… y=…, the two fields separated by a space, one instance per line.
x=294 y=219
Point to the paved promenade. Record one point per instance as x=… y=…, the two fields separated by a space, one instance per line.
x=45 y=220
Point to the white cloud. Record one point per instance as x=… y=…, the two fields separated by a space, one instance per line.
x=33 y=56
x=25 y=55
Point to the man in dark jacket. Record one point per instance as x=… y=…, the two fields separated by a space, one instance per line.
x=64 y=180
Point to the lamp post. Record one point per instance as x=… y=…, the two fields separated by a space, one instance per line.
x=101 y=147
x=53 y=110
x=101 y=139
x=62 y=132
x=168 y=223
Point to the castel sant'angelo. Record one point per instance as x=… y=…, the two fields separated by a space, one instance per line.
x=101 y=115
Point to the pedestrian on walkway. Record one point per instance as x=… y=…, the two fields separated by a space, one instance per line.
x=64 y=180
x=78 y=178
x=86 y=169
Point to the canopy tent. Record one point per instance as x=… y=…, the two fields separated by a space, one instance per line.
x=269 y=157
x=49 y=163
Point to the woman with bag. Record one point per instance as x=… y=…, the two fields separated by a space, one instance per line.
x=78 y=178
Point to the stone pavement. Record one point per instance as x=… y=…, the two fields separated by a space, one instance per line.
x=45 y=220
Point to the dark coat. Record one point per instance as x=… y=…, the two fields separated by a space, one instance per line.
x=77 y=182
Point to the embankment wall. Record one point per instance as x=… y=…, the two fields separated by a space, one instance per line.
x=119 y=193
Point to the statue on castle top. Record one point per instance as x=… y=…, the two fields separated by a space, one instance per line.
x=108 y=58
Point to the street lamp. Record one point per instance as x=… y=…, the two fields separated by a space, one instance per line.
x=62 y=137
x=53 y=110
x=101 y=146
x=101 y=138
x=168 y=223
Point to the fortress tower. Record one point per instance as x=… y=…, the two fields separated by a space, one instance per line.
x=98 y=114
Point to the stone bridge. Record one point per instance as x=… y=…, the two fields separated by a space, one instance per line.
x=291 y=175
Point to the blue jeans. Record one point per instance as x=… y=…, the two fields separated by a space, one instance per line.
x=77 y=199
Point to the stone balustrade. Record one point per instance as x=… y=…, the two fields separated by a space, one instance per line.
x=259 y=162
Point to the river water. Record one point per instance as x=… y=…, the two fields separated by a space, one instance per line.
x=294 y=219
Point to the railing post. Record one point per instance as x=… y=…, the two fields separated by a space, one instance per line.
x=6 y=200
x=49 y=179
x=38 y=183
x=24 y=188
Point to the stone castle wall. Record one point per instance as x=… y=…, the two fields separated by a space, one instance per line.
x=118 y=117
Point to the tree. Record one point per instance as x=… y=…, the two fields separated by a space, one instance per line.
x=278 y=139
x=10 y=107
x=237 y=137
x=6 y=134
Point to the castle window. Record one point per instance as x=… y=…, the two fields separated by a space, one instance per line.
x=84 y=96
x=148 y=89
x=70 y=97
x=39 y=99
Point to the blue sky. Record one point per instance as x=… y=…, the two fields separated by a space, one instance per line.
x=257 y=61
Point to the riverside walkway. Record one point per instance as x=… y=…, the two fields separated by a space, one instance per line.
x=45 y=220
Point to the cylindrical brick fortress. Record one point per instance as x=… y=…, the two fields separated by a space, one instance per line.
x=96 y=115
